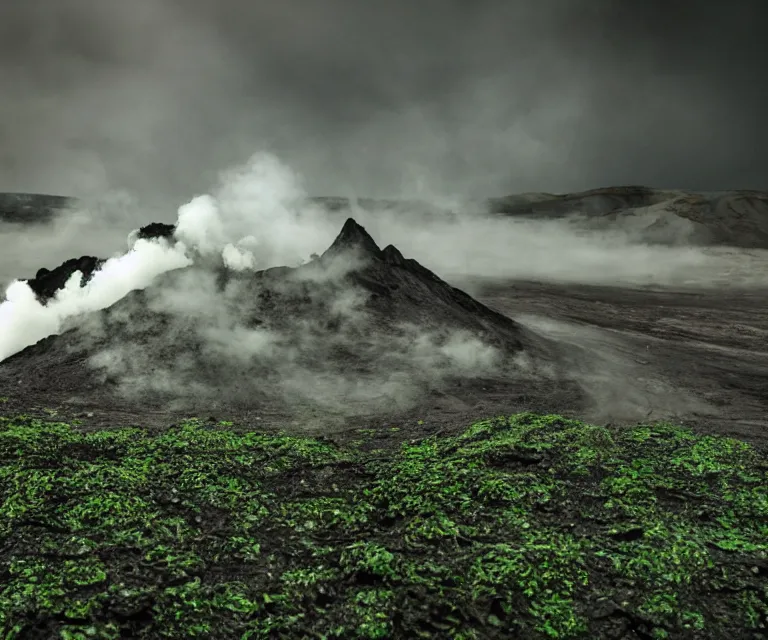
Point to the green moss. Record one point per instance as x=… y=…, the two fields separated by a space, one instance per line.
x=515 y=527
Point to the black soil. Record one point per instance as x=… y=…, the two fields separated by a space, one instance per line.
x=529 y=527
x=697 y=356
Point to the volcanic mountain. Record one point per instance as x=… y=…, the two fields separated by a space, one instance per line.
x=356 y=331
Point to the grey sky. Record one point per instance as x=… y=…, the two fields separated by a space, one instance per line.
x=383 y=98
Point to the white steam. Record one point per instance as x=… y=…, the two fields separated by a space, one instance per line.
x=256 y=218
x=24 y=321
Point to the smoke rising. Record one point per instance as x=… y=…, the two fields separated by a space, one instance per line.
x=24 y=320
x=619 y=387
x=259 y=217
x=183 y=319
x=210 y=227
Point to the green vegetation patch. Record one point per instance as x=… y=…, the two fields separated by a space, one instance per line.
x=526 y=527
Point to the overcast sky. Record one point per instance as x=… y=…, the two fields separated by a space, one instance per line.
x=395 y=97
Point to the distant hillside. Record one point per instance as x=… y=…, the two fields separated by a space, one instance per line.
x=31 y=208
x=654 y=216
x=724 y=218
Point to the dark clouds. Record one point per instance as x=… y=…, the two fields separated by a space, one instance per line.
x=155 y=96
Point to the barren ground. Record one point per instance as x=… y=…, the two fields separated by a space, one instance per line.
x=696 y=355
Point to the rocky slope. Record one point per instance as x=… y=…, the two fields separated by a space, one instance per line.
x=357 y=330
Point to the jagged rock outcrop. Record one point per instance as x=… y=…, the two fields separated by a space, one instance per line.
x=47 y=282
x=156 y=230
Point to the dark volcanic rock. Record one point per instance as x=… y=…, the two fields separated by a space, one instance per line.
x=353 y=236
x=403 y=289
x=156 y=230
x=46 y=283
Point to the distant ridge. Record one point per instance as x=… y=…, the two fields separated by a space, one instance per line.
x=736 y=218
x=31 y=208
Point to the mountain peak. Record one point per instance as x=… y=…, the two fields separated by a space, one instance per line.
x=392 y=255
x=353 y=236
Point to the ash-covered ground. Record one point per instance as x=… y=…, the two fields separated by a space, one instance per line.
x=265 y=306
